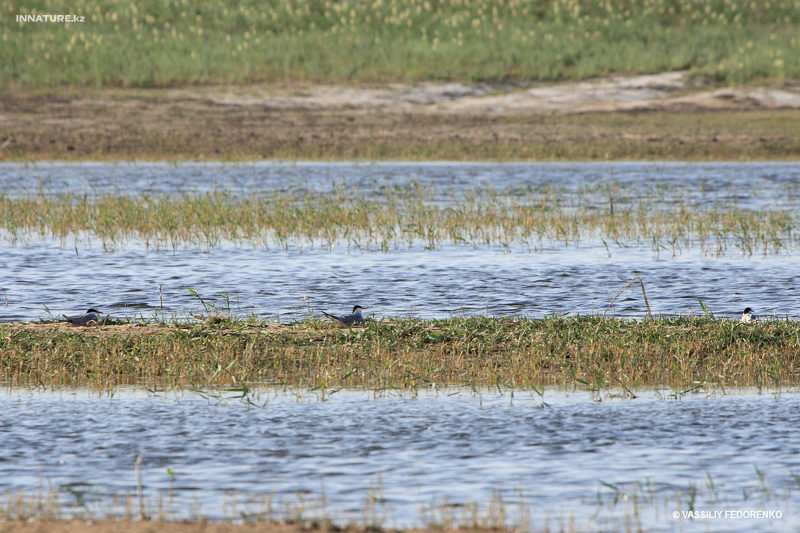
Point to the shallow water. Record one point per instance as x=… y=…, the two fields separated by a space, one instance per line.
x=751 y=185
x=556 y=457
x=274 y=284
x=557 y=460
x=43 y=276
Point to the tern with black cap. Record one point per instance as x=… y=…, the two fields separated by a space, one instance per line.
x=348 y=320
x=92 y=316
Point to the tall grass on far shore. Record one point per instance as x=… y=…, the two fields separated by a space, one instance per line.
x=149 y=43
x=586 y=351
x=394 y=217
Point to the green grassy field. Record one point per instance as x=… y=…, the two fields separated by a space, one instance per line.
x=668 y=220
x=590 y=351
x=167 y=42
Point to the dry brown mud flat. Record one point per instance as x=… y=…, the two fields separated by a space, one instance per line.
x=641 y=117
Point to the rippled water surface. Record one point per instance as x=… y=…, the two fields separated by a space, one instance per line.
x=751 y=184
x=42 y=276
x=561 y=455
x=605 y=461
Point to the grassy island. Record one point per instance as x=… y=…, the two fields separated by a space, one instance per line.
x=587 y=351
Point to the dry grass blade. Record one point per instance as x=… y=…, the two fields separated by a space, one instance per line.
x=633 y=280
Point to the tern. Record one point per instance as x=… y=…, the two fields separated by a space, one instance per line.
x=348 y=320
x=747 y=315
x=91 y=317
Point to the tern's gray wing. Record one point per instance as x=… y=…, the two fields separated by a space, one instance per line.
x=349 y=319
x=355 y=318
x=82 y=319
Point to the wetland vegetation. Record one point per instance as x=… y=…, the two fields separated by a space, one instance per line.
x=628 y=507
x=666 y=219
x=129 y=54
x=586 y=351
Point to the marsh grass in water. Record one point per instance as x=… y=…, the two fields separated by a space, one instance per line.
x=590 y=351
x=634 y=506
x=667 y=220
x=159 y=43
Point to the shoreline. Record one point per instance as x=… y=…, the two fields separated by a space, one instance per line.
x=649 y=118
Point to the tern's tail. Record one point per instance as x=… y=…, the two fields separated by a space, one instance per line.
x=332 y=317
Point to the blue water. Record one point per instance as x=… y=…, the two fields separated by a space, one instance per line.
x=44 y=278
x=560 y=455
x=580 y=455
x=752 y=185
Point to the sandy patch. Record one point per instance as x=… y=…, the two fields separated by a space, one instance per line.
x=616 y=93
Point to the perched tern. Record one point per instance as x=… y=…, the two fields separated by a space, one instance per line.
x=348 y=320
x=91 y=317
x=747 y=315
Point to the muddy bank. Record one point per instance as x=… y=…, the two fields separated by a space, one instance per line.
x=647 y=117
